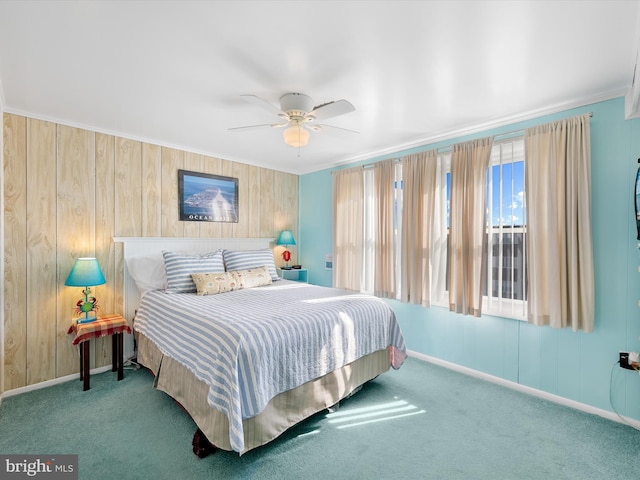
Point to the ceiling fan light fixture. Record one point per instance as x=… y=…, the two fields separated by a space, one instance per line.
x=298 y=116
x=296 y=136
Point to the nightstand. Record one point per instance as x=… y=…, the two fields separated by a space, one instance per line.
x=295 y=274
x=104 y=325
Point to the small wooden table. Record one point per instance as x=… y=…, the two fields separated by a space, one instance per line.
x=104 y=325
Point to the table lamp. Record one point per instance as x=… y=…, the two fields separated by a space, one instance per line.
x=86 y=273
x=286 y=239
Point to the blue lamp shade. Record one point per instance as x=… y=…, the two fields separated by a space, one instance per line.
x=286 y=238
x=86 y=272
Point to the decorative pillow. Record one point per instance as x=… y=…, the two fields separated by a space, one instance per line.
x=253 y=277
x=214 y=283
x=179 y=267
x=243 y=259
x=148 y=272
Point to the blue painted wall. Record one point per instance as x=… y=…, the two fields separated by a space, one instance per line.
x=577 y=366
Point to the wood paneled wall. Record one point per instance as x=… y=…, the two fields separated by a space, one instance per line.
x=67 y=192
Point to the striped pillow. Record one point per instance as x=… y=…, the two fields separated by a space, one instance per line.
x=244 y=259
x=180 y=266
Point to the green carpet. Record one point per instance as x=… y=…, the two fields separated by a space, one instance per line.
x=420 y=422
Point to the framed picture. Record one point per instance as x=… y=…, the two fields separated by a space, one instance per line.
x=207 y=198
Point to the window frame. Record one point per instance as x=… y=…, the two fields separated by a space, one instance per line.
x=367 y=283
x=498 y=305
x=491 y=305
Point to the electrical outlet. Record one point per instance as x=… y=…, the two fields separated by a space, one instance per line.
x=624 y=361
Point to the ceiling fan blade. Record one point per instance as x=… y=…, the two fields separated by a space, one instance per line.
x=331 y=109
x=263 y=104
x=256 y=127
x=321 y=128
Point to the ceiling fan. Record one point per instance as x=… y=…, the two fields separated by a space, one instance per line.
x=299 y=116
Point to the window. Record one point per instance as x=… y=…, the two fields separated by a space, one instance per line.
x=505 y=257
x=506 y=231
x=371 y=226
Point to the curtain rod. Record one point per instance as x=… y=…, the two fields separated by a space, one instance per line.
x=508 y=134
x=448 y=148
x=500 y=136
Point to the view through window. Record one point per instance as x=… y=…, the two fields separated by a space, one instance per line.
x=505 y=256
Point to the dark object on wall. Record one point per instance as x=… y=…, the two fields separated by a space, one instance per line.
x=637 y=201
x=207 y=198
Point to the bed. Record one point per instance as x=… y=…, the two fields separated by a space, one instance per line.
x=248 y=355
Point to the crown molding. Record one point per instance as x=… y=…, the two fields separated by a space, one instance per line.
x=480 y=127
x=152 y=141
x=367 y=156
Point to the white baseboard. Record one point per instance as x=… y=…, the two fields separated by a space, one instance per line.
x=529 y=390
x=420 y=356
x=48 y=383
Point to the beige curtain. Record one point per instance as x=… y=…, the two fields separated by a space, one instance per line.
x=467 y=226
x=348 y=228
x=560 y=250
x=418 y=210
x=384 y=283
x=440 y=232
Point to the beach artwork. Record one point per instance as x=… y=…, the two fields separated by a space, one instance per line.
x=207 y=198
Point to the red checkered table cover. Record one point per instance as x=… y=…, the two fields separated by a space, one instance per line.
x=102 y=326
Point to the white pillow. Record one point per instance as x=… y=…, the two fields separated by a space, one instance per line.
x=148 y=272
x=244 y=259
x=180 y=266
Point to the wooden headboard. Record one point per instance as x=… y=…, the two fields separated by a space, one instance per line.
x=145 y=246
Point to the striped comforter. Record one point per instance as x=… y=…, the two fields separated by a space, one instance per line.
x=250 y=345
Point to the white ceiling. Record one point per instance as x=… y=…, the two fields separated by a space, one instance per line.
x=172 y=73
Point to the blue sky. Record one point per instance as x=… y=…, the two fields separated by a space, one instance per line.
x=511 y=205
x=512 y=201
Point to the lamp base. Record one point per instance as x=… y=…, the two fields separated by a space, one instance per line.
x=86 y=320
x=87 y=305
